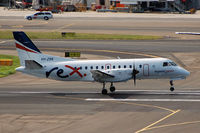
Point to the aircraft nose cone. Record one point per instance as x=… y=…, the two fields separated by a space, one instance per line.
x=186 y=73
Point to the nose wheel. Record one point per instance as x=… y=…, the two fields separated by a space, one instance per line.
x=171 y=88
x=172 y=85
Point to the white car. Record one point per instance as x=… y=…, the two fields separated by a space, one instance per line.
x=40 y=15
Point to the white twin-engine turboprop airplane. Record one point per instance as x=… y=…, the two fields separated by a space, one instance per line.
x=35 y=63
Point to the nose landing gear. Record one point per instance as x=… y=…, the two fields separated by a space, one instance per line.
x=172 y=85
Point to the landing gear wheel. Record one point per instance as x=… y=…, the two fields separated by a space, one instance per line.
x=112 y=88
x=104 y=92
x=171 y=88
x=29 y=18
x=46 y=18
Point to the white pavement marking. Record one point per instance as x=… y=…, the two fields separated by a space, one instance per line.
x=188 y=33
x=159 y=92
x=143 y=100
x=118 y=92
x=2 y=42
x=162 y=90
x=44 y=92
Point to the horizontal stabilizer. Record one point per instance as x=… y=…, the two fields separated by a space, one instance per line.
x=31 y=64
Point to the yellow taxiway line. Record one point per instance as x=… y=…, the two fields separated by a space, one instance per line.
x=175 y=124
x=107 y=51
x=63 y=27
x=17 y=26
x=149 y=127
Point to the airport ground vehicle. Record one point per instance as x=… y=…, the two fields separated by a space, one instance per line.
x=40 y=15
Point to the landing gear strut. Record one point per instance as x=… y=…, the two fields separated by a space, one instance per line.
x=104 y=91
x=172 y=87
x=112 y=87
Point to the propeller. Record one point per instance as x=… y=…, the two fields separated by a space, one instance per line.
x=134 y=73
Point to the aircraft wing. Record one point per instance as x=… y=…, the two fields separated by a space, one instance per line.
x=178 y=78
x=100 y=76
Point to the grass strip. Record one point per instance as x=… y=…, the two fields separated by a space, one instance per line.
x=79 y=36
x=7 y=70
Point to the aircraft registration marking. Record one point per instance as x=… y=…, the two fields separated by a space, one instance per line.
x=47 y=59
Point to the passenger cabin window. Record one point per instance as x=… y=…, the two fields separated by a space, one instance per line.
x=91 y=67
x=119 y=66
x=130 y=66
x=85 y=67
x=124 y=66
x=140 y=66
x=108 y=67
x=97 y=67
x=102 y=67
x=113 y=67
x=80 y=68
x=40 y=13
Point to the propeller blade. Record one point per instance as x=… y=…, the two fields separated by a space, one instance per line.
x=134 y=78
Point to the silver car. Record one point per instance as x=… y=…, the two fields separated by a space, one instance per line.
x=40 y=15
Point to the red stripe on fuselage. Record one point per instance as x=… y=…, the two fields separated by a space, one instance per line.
x=23 y=48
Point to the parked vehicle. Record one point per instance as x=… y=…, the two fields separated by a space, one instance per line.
x=27 y=3
x=40 y=15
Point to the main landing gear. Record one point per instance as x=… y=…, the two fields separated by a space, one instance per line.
x=104 y=90
x=172 y=85
x=112 y=87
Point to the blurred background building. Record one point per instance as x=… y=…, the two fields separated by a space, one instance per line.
x=118 y=5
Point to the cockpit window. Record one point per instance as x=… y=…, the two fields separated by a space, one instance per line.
x=172 y=64
x=165 y=64
x=169 y=64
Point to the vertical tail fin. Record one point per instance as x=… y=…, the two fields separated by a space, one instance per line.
x=23 y=42
x=28 y=51
x=25 y=47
